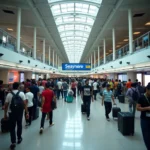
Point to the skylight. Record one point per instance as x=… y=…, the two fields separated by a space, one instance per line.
x=74 y=21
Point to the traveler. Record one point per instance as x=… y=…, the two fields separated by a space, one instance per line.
x=141 y=88
x=59 y=84
x=119 y=88
x=15 y=104
x=47 y=97
x=111 y=84
x=65 y=89
x=73 y=87
x=95 y=88
x=29 y=99
x=79 y=87
x=36 y=92
x=133 y=96
x=87 y=96
x=106 y=100
x=143 y=105
x=128 y=84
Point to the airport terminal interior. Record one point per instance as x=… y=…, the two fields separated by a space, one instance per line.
x=74 y=46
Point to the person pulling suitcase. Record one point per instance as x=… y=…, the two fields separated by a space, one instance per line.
x=106 y=100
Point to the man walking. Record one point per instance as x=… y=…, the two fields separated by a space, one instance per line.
x=15 y=104
x=87 y=96
x=65 y=89
x=47 y=97
x=95 y=88
x=106 y=100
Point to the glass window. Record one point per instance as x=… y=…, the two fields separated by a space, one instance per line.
x=74 y=21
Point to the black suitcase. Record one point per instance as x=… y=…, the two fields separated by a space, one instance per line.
x=36 y=114
x=83 y=108
x=126 y=123
x=121 y=98
x=115 y=111
x=5 y=125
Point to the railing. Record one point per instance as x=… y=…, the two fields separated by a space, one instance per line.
x=139 y=43
x=10 y=42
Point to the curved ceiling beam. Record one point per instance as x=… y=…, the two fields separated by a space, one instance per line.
x=75 y=23
x=74 y=31
x=75 y=15
x=75 y=1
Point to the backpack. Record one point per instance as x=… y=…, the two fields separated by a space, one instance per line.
x=16 y=102
x=119 y=87
x=79 y=84
x=65 y=86
x=135 y=95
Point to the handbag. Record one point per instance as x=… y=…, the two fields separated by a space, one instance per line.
x=53 y=105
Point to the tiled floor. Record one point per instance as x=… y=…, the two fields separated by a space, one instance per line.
x=72 y=131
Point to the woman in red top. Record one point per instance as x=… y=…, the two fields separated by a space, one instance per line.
x=73 y=87
x=47 y=97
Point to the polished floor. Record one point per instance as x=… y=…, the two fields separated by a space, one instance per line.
x=72 y=131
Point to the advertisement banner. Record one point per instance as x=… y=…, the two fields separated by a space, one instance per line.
x=76 y=66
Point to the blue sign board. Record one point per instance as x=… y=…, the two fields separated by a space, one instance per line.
x=76 y=66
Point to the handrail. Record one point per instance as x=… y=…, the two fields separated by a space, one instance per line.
x=126 y=51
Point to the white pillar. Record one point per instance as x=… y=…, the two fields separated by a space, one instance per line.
x=56 y=60
x=104 y=44
x=18 y=28
x=49 y=55
x=94 y=60
x=114 y=44
x=53 y=58
x=130 y=31
x=44 y=51
x=34 y=39
x=91 y=62
x=98 y=56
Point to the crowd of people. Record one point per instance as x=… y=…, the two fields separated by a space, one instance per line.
x=27 y=96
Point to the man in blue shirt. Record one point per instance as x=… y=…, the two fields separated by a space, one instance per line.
x=106 y=100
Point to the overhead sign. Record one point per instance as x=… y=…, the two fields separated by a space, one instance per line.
x=76 y=66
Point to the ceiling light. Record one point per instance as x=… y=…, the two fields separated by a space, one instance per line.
x=135 y=33
x=118 y=46
x=125 y=40
x=147 y=24
x=9 y=29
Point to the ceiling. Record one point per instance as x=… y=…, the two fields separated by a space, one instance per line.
x=37 y=13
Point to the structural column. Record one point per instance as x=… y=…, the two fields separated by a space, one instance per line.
x=34 y=39
x=130 y=31
x=56 y=60
x=49 y=55
x=91 y=62
x=114 y=44
x=18 y=28
x=98 y=56
x=53 y=58
x=43 y=50
x=104 y=44
x=94 y=60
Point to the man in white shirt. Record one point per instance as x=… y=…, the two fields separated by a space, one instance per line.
x=15 y=104
x=59 y=84
x=29 y=101
x=95 y=85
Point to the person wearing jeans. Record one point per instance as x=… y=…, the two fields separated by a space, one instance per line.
x=65 y=89
x=87 y=96
x=47 y=97
x=143 y=105
x=106 y=100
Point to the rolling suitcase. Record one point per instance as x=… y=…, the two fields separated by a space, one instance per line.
x=69 y=99
x=121 y=98
x=83 y=108
x=36 y=114
x=4 y=125
x=126 y=123
x=115 y=111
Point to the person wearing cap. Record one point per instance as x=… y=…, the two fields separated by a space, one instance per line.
x=87 y=96
x=47 y=97
x=106 y=100
x=143 y=105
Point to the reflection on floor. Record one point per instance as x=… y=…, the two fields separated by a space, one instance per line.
x=72 y=131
